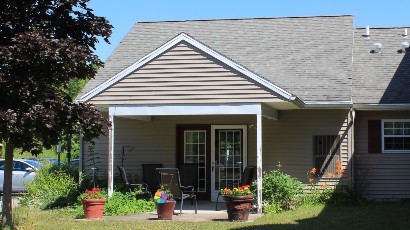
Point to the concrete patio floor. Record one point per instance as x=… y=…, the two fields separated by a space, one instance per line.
x=206 y=212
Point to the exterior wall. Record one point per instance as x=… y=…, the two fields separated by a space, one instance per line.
x=288 y=140
x=155 y=141
x=377 y=175
x=184 y=74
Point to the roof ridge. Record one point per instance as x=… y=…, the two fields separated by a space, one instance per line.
x=258 y=18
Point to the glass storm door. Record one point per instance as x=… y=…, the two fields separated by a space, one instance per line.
x=228 y=157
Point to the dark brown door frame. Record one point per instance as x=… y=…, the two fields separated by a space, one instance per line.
x=180 y=153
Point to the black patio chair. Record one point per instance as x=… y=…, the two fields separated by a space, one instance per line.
x=189 y=174
x=150 y=176
x=170 y=179
x=130 y=187
x=248 y=176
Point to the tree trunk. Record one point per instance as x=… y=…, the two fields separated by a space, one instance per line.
x=69 y=136
x=7 y=198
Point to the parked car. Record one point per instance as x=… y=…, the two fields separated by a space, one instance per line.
x=24 y=170
x=51 y=160
x=75 y=162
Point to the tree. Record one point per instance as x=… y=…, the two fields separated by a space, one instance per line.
x=45 y=44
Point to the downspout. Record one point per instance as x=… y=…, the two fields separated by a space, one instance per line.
x=353 y=116
x=352 y=113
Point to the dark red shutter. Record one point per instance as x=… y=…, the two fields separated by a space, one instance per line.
x=374 y=136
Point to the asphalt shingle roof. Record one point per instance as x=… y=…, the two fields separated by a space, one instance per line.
x=310 y=57
x=381 y=77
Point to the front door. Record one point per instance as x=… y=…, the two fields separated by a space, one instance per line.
x=219 y=151
x=193 y=147
x=228 y=156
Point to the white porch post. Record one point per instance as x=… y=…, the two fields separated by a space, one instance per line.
x=259 y=159
x=111 y=156
x=80 y=164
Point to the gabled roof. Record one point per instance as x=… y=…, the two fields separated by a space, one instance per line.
x=310 y=57
x=178 y=39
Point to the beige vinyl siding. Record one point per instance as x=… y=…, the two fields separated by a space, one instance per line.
x=155 y=141
x=288 y=140
x=184 y=74
x=380 y=176
x=361 y=120
x=100 y=156
x=383 y=176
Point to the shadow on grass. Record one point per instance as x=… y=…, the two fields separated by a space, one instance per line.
x=372 y=216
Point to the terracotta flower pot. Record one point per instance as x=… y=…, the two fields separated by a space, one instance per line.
x=165 y=210
x=93 y=208
x=238 y=207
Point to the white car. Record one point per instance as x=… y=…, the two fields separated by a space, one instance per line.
x=24 y=170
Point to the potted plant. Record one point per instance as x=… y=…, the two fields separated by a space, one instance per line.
x=165 y=204
x=93 y=203
x=238 y=202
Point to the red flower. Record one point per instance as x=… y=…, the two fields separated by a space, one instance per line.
x=324 y=185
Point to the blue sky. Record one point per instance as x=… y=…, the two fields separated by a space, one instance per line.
x=122 y=14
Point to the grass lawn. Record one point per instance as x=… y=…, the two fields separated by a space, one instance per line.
x=374 y=216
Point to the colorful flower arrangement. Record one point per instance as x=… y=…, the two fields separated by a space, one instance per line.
x=239 y=191
x=163 y=196
x=94 y=193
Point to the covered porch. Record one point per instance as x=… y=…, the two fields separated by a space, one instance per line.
x=160 y=134
x=153 y=130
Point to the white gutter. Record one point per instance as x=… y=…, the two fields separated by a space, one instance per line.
x=328 y=104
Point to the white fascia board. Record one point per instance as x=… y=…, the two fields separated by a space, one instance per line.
x=328 y=104
x=381 y=106
x=204 y=48
x=185 y=109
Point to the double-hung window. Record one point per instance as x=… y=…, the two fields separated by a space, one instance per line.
x=396 y=136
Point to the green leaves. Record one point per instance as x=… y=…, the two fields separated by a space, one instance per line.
x=44 y=46
x=280 y=191
x=126 y=203
x=53 y=186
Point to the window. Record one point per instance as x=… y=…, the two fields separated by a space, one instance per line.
x=326 y=152
x=396 y=136
x=195 y=152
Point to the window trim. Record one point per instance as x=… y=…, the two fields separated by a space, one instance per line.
x=339 y=154
x=384 y=151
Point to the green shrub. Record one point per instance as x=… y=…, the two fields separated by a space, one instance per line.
x=280 y=191
x=318 y=196
x=122 y=204
x=339 y=195
x=53 y=186
x=343 y=195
